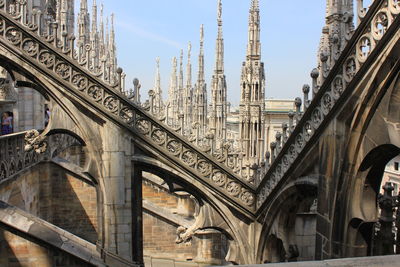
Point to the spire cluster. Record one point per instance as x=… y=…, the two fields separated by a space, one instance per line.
x=100 y=41
x=93 y=46
x=187 y=110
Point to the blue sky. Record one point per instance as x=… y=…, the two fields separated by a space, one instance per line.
x=290 y=32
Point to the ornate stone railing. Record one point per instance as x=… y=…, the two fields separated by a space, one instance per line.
x=44 y=54
x=13 y=157
x=380 y=21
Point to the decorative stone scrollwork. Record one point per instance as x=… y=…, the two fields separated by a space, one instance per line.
x=233 y=188
x=27 y=159
x=364 y=48
x=218 y=178
x=394 y=6
x=95 y=92
x=247 y=198
x=273 y=180
x=11 y=168
x=2 y=25
x=337 y=86
x=292 y=153
x=350 y=69
x=111 y=103
x=317 y=117
x=327 y=103
x=220 y=157
x=30 y=47
x=35 y=141
x=231 y=162
x=308 y=130
x=143 y=126
x=204 y=167
x=299 y=142
x=380 y=24
x=285 y=162
x=64 y=70
x=279 y=170
x=3 y=171
x=13 y=35
x=127 y=114
x=174 y=147
x=158 y=136
x=80 y=81
x=189 y=157
x=46 y=58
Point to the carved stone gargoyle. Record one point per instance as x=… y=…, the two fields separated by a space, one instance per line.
x=35 y=141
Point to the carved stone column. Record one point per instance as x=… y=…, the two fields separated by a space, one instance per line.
x=384 y=239
x=117 y=175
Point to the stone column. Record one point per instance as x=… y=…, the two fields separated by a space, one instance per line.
x=117 y=173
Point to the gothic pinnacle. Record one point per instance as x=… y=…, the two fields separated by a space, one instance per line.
x=255 y=4
x=219 y=13
x=219 y=64
x=201 y=36
x=189 y=68
x=158 y=76
x=84 y=5
x=254 y=44
x=94 y=17
x=200 y=76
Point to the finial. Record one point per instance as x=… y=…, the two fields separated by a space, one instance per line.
x=158 y=62
x=189 y=50
x=101 y=12
x=107 y=25
x=174 y=63
x=255 y=4
x=94 y=17
x=83 y=4
x=219 y=9
x=201 y=34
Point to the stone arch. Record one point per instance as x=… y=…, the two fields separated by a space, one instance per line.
x=58 y=95
x=34 y=86
x=360 y=228
x=281 y=219
x=69 y=115
x=371 y=132
x=218 y=216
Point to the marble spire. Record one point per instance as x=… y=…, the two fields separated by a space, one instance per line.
x=200 y=91
x=252 y=100
x=188 y=94
x=218 y=88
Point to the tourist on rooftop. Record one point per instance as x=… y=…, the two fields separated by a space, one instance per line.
x=6 y=123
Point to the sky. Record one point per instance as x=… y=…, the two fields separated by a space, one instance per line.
x=146 y=29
